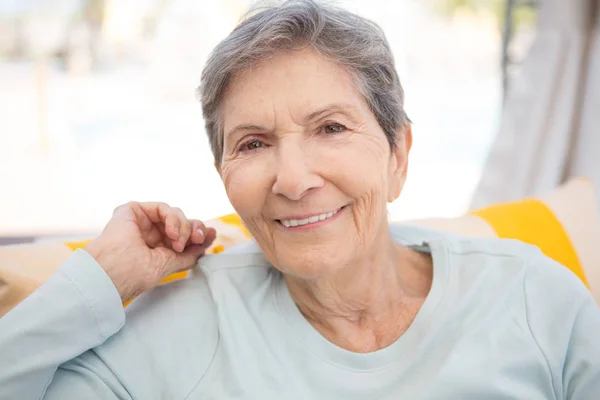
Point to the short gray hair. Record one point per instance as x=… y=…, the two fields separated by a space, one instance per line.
x=347 y=39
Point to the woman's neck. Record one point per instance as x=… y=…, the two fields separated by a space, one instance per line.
x=369 y=304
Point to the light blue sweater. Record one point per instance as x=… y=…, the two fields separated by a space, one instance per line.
x=501 y=321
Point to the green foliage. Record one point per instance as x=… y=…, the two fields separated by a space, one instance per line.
x=523 y=16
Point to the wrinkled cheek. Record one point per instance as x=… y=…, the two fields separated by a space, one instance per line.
x=363 y=207
x=367 y=213
x=263 y=234
x=247 y=188
x=238 y=186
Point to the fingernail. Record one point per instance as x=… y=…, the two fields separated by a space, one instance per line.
x=200 y=232
x=176 y=230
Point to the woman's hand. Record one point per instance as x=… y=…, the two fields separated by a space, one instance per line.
x=145 y=242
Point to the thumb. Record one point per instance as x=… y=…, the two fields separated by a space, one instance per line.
x=185 y=260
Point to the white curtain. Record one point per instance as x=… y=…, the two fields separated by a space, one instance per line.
x=550 y=128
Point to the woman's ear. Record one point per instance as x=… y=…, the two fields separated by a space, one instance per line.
x=399 y=162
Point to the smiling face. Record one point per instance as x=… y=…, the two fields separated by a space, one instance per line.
x=306 y=165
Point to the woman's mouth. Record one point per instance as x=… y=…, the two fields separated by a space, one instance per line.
x=311 y=221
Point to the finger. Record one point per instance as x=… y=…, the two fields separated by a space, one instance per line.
x=157 y=213
x=184 y=260
x=211 y=235
x=198 y=232
x=176 y=262
x=125 y=209
x=177 y=221
x=172 y=220
x=150 y=215
x=185 y=230
x=177 y=227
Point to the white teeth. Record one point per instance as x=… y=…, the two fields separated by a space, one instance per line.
x=310 y=220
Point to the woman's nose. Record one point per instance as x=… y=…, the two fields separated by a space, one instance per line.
x=295 y=174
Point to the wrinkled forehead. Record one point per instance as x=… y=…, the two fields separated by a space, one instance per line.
x=293 y=84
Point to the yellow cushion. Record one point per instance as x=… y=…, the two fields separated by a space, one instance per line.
x=531 y=221
x=563 y=223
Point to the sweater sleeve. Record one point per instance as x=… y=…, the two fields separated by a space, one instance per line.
x=581 y=374
x=565 y=322
x=77 y=309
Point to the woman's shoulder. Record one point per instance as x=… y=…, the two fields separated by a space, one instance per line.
x=191 y=301
x=458 y=244
x=168 y=340
x=171 y=333
x=503 y=263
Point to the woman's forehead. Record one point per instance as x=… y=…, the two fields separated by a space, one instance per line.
x=295 y=83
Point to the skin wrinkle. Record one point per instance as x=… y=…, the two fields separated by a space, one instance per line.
x=357 y=287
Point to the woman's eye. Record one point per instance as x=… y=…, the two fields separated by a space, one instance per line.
x=251 y=145
x=333 y=128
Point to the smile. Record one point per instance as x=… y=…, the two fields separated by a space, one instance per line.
x=308 y=220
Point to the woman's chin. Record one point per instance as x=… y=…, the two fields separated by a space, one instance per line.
x=312 y=264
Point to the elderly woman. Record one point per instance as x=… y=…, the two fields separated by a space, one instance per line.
x=304 y=112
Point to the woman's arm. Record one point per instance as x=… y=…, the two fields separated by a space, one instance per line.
x=565 y=323
x=582 y=364
x=80 y=306
x=77 y=309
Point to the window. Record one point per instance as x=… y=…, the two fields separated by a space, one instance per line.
x=99 y=108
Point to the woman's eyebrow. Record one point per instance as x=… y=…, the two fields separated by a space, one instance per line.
x=330 y=108
x=245 y=127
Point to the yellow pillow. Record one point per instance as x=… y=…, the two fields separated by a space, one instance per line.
x=564 y=224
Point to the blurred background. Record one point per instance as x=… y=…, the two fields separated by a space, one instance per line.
x=98 y=105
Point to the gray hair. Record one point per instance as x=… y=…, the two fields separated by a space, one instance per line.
x=347 y=39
